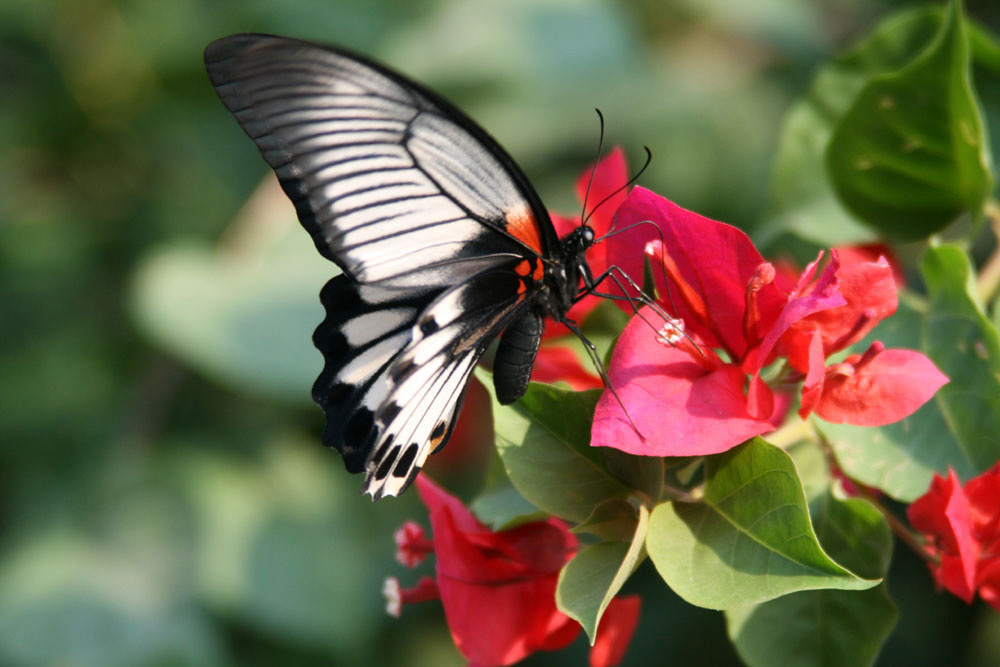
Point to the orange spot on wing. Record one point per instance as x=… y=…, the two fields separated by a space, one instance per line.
x=523 y=268
x=522 y=225
x=539 y=272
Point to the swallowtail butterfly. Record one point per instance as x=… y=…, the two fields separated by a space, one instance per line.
x=443 y=243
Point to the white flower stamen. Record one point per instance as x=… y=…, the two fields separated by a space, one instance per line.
x=671 y=333
x=393 y=597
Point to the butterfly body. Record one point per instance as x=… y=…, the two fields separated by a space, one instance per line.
x=443 y=243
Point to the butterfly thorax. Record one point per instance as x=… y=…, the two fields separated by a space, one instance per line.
x=566 y=267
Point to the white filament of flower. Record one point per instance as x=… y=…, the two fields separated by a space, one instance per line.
x=393 y=596
x=671 y=333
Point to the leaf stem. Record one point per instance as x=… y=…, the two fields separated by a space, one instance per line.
x=989 y=275
x=694 y=495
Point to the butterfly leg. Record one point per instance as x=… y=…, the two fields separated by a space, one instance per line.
x=613 y=272
x=595 y=358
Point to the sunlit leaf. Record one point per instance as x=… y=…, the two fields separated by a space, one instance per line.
x=909 y=155
x=804 y=201
x=589 y=582
x=749 y=540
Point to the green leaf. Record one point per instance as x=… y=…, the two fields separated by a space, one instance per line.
x=613 y=520
x=499 y=505
x=60 y=590
x=854 y=532
x=964 y=344
x=985 y=46
x=814 y=628
x=642 y=473
x=544 y=442
x=265 y=559
x=589 y=581
x=243 y=314
x=749 y=540
x=803 y=199
x=910 y=154
x=817 y=628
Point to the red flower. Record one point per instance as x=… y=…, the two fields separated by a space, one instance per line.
x=412 y=546
x=962 y=528
x=498 y=588
x=615 y=631
x=558 y=362
x=694 y=386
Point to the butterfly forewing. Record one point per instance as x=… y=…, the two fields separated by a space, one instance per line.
x=440 y=236
x=391 y=183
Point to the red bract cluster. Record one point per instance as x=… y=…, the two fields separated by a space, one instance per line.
x=557 y=362
x=962 y=528
x=691 y=383
x=498 y=588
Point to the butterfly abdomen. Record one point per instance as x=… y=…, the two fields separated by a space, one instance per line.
x=516 y=355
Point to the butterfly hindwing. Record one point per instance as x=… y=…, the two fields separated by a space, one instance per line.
x=397 y=364
x=365 y=328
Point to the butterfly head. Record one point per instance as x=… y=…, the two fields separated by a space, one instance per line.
x=577 y=241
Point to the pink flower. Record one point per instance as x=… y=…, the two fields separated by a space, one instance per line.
x=692 y=385
x=962 y=528
x=498 y=588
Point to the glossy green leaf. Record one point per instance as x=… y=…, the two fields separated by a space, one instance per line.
x=593 y=577
x=748 y=540
x=910 y=154
x=961 y=340
x=544 y=442
x=803 y=198
x=985 y=46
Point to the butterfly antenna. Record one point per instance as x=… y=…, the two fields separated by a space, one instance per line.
x=593 y=169
x=631 y=181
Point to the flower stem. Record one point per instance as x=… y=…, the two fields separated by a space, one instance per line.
x=912 y=538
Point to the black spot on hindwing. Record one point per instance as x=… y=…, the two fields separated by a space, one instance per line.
x=405 y=463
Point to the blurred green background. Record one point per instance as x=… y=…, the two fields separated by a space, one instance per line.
x=163 y=496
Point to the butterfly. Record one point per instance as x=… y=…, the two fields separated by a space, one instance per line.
x=443 y=244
